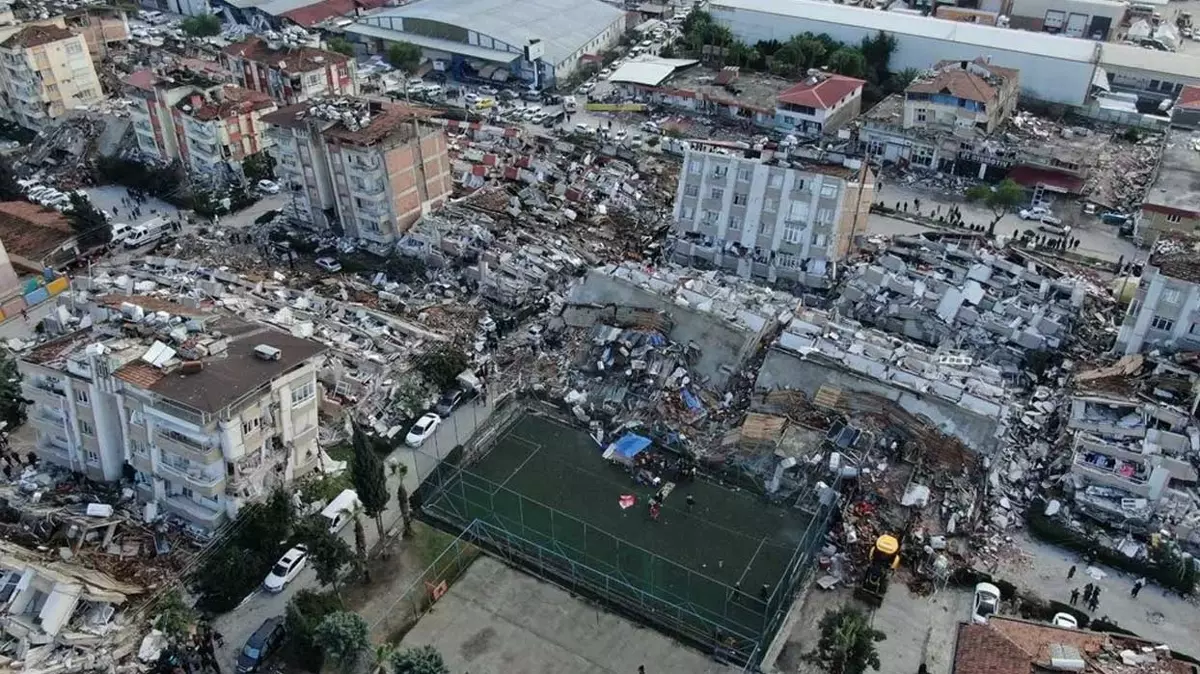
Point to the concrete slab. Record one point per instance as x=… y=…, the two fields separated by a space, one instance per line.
x=497 y=620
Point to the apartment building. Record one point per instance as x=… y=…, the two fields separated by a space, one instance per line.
x=1165 y=310
x=47 y=71
x=1172 y=203
x=369 y=168
x=768 y=216
x=209 y=126
x=942 y=116
x=208 y=411
x=822 y=103
x=289 y=74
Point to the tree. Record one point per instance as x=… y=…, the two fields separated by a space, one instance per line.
x=259 y=166
x=340 y=45
x=404 y=56
x=419 y=660
x=383 y=655
x=90 y=225
x=10 y=190
x=174 y=617
x=201 y=25
x=369 y=481
x=342 y=637
x=360 y=548
x=877 y=51
x=12 y=400
x=327 y=553
x=1001 y=199
x=228 y=576
x=849 y=62
x=847 y=643
x=405 y=508
x=304 y=612
x=442 y=366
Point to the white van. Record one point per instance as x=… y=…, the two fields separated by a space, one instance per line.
x=341 y=510
x=147 y=233
x=120 y=231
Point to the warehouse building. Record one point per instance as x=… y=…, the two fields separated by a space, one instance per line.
x=1054 y=68
x=539 y=42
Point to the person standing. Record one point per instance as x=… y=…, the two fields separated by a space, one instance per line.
x=691 y=502
x=1074 y=596
x=1094 y=603
x=1137 y=586
x=1071 y=572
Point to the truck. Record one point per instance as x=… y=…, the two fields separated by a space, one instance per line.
x=570 y=104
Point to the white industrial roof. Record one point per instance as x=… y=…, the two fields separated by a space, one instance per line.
x=650 y=72
x=1150 y=60
x=989 y=37
x=436 y=44
x=564 y=26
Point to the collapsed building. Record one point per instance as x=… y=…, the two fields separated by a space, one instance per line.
x=942 y=294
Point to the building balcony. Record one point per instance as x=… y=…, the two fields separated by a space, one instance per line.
x=48 y=421
x=364 y=166
x=199 y=482
x=53 y=452
x=43 y=392
x=368 y=187
x=196 y=451
x=142 y=463
x=184 y=416
x=193 y=512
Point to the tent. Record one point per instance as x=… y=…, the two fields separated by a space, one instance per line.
x=626 y=447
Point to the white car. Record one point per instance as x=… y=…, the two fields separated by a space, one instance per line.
x=421 y=430
x=488 y=91
x=268 y=186
x=1065 y=620
x=604 y=74
x=583 y=128
x=986 y=603
x=1033 y=213
x=286 y=569
x=329 y=264
x=621 y=134
x=471 y=97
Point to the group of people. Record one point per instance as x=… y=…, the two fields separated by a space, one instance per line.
x=1091 y=592
x=198 y=654
x=133 y=203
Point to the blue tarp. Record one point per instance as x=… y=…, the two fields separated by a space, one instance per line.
x=629 y=446
x=691 y=401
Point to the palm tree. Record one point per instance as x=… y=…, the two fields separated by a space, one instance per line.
x=847 y=643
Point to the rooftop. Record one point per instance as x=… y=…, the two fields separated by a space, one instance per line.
x=30 y=230
x=36 y=36
x=821 y=91
x=745 y=89
x=287 y=59
x=1177 y=254
x=314 y=13
x=844 y=170
x=1189 y=98
x=1011 y=646
x=351 y=120
x=973 y=80
x=648 y=71
x=1176 y=187
x=147 y=79
x=230 y=100
x=563 y=26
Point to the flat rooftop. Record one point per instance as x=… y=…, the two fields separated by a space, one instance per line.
x=1177 y=185
x=749 y=89
x=497 y=620
x=1177 y=254
x=547 y=483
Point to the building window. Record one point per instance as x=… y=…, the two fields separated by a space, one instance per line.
x=743 y=175
x=93 y=458
x=86 y=428
x=1171 y=296
x=1195 y=329
x=792 y=233
x=920 y=113
x=250 y=425
x=1173 y=218
x=187 y=491
x=818 y=240
x=137 y=447
x=717 y=193
x=776 y=181
x=770 y=205
x=829 y=190
x=735 y=222
x=824 y=216
x=720 y=171
x=304 y=393
x=691 y=191
x=739 y=199
x=74 y=48
x=695 y=166
x=787 y=261
x=81 y=397
x=87 y=94
x=710 y=217
x=1160 y=323
x=799 y=186
x=764 y=227
x=686 y=212
x=923 y=156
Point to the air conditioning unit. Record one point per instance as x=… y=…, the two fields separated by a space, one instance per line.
x=267 y=352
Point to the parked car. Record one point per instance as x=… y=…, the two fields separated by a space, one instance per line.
x=268 y=186
x=985 y=604
x=260 y=646
x=507 y=95
x=582 y=128
x=449 y=400
x=1033 y=213
x=421 y=430
x=329 y=264
x=286 y=569
x=488 y=91
x=531 y=96
x=1065 y=620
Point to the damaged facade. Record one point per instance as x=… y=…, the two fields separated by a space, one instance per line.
x=208 y=410
x=1162 y=313
x=767 y=216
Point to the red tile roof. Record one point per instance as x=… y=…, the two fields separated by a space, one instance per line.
x=821 y=92
x=36 y=36
x=233 y=100
x=952 y=77
x=1189 y=98
x=292 y=60
x=31 y=231
x=142 y=79
x=982 y=650
x=317 y=12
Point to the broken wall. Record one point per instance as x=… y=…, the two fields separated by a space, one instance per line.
x=782 y=369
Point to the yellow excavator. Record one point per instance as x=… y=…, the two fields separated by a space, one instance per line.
x=884 y=559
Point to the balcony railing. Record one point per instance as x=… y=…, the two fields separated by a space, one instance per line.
x=1082 y=462
x=367 y=187
x=192 y=450
x=208 y=485
x=182 y=413
x=190 y=510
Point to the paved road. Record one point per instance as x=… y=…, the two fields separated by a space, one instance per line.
x=240 y=623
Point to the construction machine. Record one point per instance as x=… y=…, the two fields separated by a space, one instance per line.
x=884 y=558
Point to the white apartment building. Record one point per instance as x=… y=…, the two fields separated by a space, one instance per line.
x=1164 y=313
x=768 y=216
x=46 y=71
x=208 y=410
